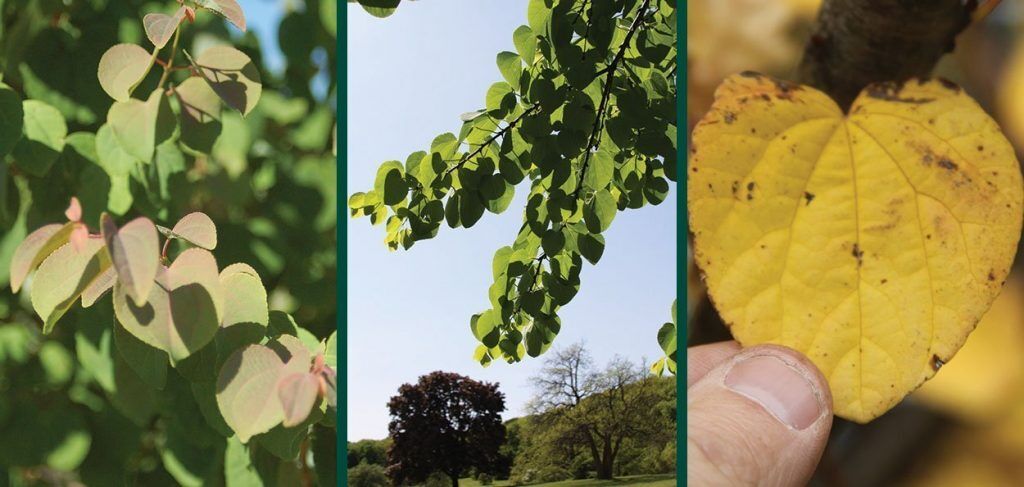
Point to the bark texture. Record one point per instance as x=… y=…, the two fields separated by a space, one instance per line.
x=858 y=42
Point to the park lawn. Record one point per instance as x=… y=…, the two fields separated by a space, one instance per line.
x=663 y=480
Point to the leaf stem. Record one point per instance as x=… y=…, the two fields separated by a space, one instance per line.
x=170 y=61
x=492 y=139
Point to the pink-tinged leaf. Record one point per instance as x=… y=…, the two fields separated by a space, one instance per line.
x=229 y=9
x=297 y=393
x=64 y=276
x=79 y=235
x=246 y=388
x=196 y=229
x=190 y=14
x=36 y=247
x=74 y=211
x=182 y=312
x=160 y=27
x=135 y=252
x=330 y=381
x=292 y=352
x=103 y=283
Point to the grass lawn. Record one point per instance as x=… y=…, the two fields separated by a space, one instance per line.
x=663 y=480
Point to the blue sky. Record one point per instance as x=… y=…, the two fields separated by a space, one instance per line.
x=410 y=76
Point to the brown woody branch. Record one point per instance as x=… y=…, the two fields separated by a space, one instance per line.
x=858 y=42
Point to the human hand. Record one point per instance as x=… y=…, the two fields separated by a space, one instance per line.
x=755 y=416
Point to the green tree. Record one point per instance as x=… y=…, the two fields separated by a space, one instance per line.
x=163 y=127
x=584 y=117
x=580 y=410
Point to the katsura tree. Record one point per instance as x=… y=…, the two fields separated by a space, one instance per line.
x=445 y=423
x=865 y=213
x=583 y=120
x=154 y=174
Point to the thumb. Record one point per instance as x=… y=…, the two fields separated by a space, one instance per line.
x=760 y=417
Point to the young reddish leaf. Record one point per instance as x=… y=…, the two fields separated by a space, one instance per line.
x=245 y=391
x=297 y=393
x=197 y=229
x=135 y=252
x=122 y=68
x=99 y=286
x=182 y=313
x=35 y=248
x=74 y=211
x=62 y=278
x=292 y=352
x=329 y=380
x=229 y=9
x=79 y=235
x=160 y=27
x=232 y=75
x=190 y=14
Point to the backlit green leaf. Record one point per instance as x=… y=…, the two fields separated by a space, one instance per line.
x=45 y=130
x=511 y=68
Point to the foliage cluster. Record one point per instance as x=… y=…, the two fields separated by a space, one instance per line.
x=585 y=117
x=153 y=379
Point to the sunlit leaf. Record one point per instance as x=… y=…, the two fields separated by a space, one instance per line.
x=135 y=252
x=297 y=393
x=200 y=114
x=62 y=278
x=45 y=130
x=37 y=246
x=245 y=391
x=141 y=126
x=197 y=229
x=160 y=27
x=827 y=232
x=122 y=68
x=232 y=75
x=229 y=9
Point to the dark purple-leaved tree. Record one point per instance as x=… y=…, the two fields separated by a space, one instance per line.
x=445 y=423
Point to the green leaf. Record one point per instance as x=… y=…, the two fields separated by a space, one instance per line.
x=200 y=114
x=667 y=338
x=45 y=130
x=160 y=27
x=140 y=126
x=229 y=9
x=390 y=183
x=538 y=14
x=135 y=252
x=526 y=43
x=553 y=241
x=149 y=363
x=485 y=327
x=232 y=75
x=600 y=211
x=63 y=276
x=122 y=68
x=600 y=169
x=99 y=287
x=286 y=442
x=115 y=161
x=500 y=100
x=591 y=247
x=197 y=229
x=511 y=67
x=245 y=308
x=379 y=8
x=245 y=391
x=182 y=313
x=12 y=119
x=331 y=350
x=36 y=247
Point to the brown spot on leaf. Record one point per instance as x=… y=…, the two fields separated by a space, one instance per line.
x=730 y=117
x=948 y=164
x=949 y=85
x=884 y=281
x=890 y=91
x=809 y=197
x=937 y=363
x=858 y=254
x=981 y=148
x=991 y=276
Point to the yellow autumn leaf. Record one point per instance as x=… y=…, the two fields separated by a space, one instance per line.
x=872 y=242
x=986 y=377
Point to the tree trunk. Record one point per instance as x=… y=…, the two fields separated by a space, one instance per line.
x=858 y=42
x=605 y=463
x=455 y=480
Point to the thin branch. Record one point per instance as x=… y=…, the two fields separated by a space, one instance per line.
x=170 y=61
x=491 y=139
x=606 y=94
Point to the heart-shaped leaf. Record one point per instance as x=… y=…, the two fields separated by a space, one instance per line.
x=122 y=68
x=246 y=388
x=135 y=251
x=43 y=141
x=183 y=310
x=200 y=114
x=246 y=315
x=36 y=247
x=872 y=241
x=62 y=278
x=232 y=75
x=140 y=126
x=160 y=27
x=229 y=9
x=12 y=120
x=511 y=67
x=297 y=393
x=197 y=229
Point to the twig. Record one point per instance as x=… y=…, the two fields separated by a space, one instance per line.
x=491 y=139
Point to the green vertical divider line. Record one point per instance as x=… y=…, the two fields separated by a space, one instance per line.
x=682 y=143
x=341 y=95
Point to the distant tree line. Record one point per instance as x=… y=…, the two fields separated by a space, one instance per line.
x=584 y=422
